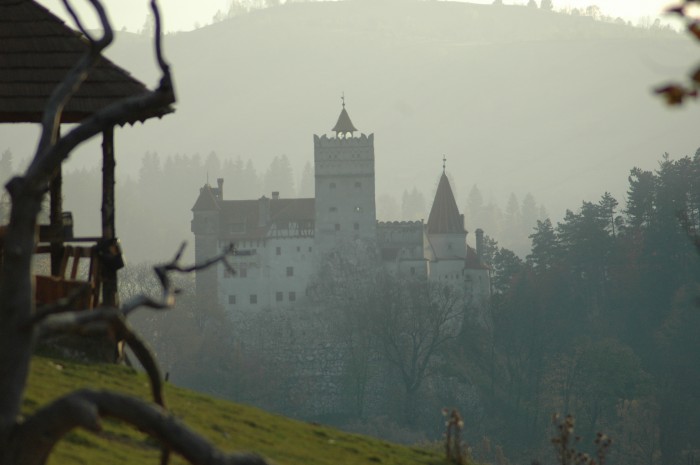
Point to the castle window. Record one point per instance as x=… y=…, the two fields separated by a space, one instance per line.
x=333 y=209
x=253 y=299
x=332 y=185
x=356 y=226
x=279 y=296
x=290 y=271
x=298 y=249
x=358 y=184
x=337 y=226
x=292 y=296
x=232 y=300
x=413 y=270
x=278 y=251
x=310 y=249
x=243 y=271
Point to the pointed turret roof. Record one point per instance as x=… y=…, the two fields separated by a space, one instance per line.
x=444 y=215
x=344 y=124
x=206 y=199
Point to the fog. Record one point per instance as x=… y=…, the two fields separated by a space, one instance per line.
x=519 y=100
x=581 y=296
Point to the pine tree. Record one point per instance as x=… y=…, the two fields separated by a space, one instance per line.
x=307 y=182
x=545 y=246
x=279 y=177
x=529 y=214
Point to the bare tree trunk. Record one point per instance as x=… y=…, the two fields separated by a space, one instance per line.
x=30 y=442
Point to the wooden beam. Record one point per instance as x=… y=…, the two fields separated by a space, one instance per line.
x=56 y=216
x=109 y=273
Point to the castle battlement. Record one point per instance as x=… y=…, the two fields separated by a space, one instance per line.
x=362 y=140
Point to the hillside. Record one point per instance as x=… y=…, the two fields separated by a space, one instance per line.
x=518 y=99
x=230 y=426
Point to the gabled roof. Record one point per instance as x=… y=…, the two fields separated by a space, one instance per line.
x=444 y=215
x=241 y=219
x=344 y=124
x=206 y=200
x=36 y=51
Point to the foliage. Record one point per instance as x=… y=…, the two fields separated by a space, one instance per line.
x=677 y=93
x=565 y=444
x=600 y=321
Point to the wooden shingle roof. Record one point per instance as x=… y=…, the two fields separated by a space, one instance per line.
x=36 y=51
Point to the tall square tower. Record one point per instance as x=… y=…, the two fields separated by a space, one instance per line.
x=344 y=177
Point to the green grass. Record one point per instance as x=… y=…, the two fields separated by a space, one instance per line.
x=232 y=427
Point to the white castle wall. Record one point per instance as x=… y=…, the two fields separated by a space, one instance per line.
x=344 y=177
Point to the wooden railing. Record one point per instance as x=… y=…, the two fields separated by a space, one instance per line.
x=77 y=277
x=74 y=282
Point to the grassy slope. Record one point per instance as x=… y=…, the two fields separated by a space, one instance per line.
x=231 y=426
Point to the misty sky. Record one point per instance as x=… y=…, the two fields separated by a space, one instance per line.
x=183 y=15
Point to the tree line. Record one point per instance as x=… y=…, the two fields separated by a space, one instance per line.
x=600 y=320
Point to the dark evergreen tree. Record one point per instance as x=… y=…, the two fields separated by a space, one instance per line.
x=545 y=247
x=640 y=197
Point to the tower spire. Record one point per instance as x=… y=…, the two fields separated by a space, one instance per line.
x=344 y=128
x=444 y=160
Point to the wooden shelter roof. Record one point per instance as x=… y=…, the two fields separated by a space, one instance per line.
x=36 y=51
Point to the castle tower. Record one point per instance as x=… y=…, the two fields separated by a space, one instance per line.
x=344 y=176
x=205 y=226
x=445 y=228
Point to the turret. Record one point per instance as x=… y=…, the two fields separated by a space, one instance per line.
x=205 y=226
x=344 y=178
x=445 y=228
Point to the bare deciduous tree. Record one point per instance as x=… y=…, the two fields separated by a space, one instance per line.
x=31 y=440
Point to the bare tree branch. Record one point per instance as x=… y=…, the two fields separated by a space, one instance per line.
x=85 y=408
x=64 y=304
x=107 y=321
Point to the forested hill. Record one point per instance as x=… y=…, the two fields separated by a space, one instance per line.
x=519 y=99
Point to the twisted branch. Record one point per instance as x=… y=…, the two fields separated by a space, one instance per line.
x=84 y=409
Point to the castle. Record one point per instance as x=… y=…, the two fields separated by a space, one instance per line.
x=280 y=242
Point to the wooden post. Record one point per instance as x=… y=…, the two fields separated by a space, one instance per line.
x=56 y=216
x=109 y=274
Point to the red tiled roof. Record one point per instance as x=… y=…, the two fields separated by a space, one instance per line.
x=36 y=51
x=444 y=215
